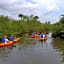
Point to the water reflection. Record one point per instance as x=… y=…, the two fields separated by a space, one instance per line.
x=4 y=52
x=33 y=51
x=44 y=43
x=58 y=44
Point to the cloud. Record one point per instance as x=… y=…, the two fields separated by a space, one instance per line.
x=45 y=9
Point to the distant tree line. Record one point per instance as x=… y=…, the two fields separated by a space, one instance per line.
x=25 y=24
x=58 y=28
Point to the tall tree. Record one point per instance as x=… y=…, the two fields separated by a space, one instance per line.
x=21 y=16
x=36 y=17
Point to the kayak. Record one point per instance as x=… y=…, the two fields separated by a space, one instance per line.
x=17 y=40
x=42 y=39
x=10 y=43
x=47 y=37
x=33 y=36
x=37 y=35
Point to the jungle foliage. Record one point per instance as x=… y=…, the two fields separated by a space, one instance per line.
x=25 y=24
x=59 y=28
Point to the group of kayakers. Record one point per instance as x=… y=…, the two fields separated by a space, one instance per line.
x=5 y=39
x=42 y=35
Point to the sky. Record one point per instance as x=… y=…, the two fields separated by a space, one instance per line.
x=47 y=10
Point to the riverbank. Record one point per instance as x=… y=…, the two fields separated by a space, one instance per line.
x=58 y=35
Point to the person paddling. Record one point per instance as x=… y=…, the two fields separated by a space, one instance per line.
x=34 y=34
x=41 y=35
x=14 y=39
x=5 y=40
x=11 y=38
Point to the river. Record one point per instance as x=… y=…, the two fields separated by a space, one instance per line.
x=33 y=51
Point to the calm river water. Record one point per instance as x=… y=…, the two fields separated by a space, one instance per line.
x=33 y=51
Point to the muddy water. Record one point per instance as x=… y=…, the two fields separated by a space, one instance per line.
x=33 y=51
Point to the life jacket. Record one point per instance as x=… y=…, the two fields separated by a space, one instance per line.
x=3 y=40
x=34 y=34
x=11 y=38
x=41 y=35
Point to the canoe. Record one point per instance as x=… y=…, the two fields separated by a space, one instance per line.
x=42 y=39
x=10 y=43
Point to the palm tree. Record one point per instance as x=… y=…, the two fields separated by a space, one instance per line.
x=62 y=15
x=21 y=16
x=24 y=18
x=62 y=19
x=36 y=17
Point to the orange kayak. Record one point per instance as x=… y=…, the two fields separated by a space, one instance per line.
x=17 y=40
x=42 y=39
x=46 y=37
x=37 y=35
x=10 y=43
x=33 y=36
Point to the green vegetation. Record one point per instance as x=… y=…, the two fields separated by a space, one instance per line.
x=26 y=24
x=59 y=28
x=29 y=24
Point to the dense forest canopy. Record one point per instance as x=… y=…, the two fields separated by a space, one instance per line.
x=28 y=24
x=59 y=28
x=25 y=24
